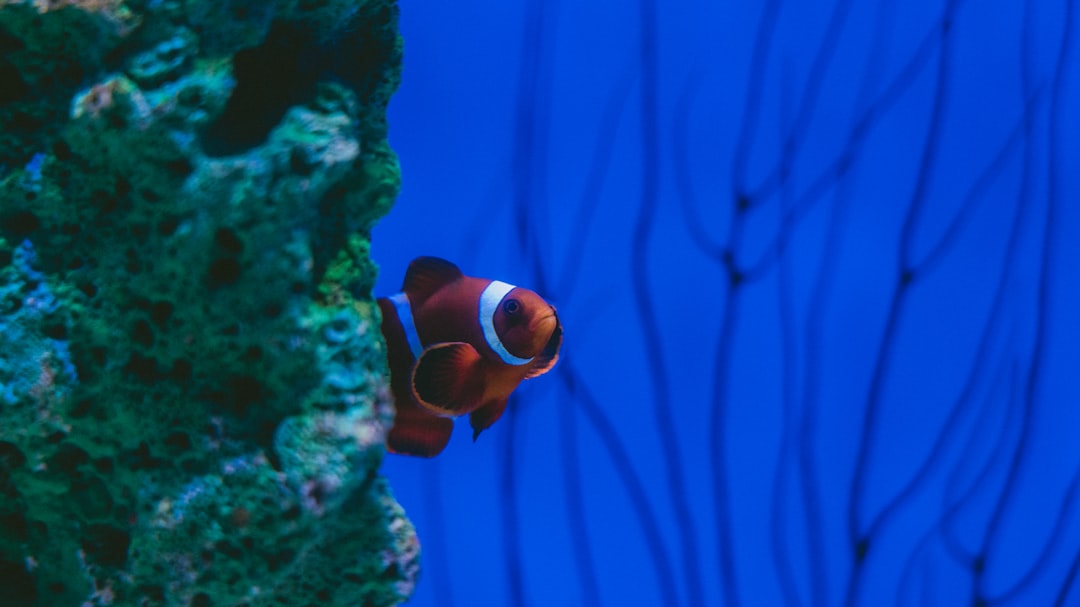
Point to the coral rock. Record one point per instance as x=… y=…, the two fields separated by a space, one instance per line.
x=193 y=392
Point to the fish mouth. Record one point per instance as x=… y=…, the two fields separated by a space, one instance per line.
x=551 y=314
x=553 y=342
x=541 y=321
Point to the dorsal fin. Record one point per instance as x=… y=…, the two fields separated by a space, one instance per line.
x=427 y=275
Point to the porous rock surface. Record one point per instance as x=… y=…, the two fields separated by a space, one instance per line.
x=192 y=381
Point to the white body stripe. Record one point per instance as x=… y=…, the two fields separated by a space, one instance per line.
x=489 y=303
x=404 y=314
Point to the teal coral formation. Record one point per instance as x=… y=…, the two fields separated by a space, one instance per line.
x=44 y=58
x=192 y=379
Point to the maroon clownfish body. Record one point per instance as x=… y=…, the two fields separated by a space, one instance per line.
x=459 y=345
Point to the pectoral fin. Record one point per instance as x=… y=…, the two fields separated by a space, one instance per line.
x=448 y=379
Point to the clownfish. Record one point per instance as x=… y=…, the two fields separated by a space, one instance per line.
x=459 y=345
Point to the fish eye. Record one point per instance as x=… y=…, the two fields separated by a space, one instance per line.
x=512 y=307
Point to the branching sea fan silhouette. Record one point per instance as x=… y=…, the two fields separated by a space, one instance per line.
x=813 y=261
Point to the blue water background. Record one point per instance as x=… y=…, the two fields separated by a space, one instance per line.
x=878 y=355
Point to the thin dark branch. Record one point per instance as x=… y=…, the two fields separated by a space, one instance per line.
x=435 y=539
x=508 y=507
x=1067 y=584
x=573 y=487
x=528 y=168
x=998 y=450
x=1053 y=542
x=1043 y=298
x=835 y=170
x=928 y=158
x=978 y=190
x=778 y=177
x=965 y=400
x=807 y=447
x=643 y=298
x=953 y=505
x=752 y=106
x=903 y=279
x=725 y=544
x=684 y=182
x=882 y=362
x=530 y=151
x=573 y=492
x=1055 y=173
x=487 y=213
x=635 y=490
x=861 y=542
x=779 y=532
x=952 y=545
x=815 y=329
x=594 y=184
x=929 y=586
x=907 y=574
x=590 y=197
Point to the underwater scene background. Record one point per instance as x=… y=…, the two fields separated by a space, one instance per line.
x=816 y=264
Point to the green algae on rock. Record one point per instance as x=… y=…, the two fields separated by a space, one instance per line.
x=192 y=379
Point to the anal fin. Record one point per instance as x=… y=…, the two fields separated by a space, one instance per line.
x=417 y=432
x=482 y=418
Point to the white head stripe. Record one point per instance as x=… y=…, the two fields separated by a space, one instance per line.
x=404 y=314
x=489 y=304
